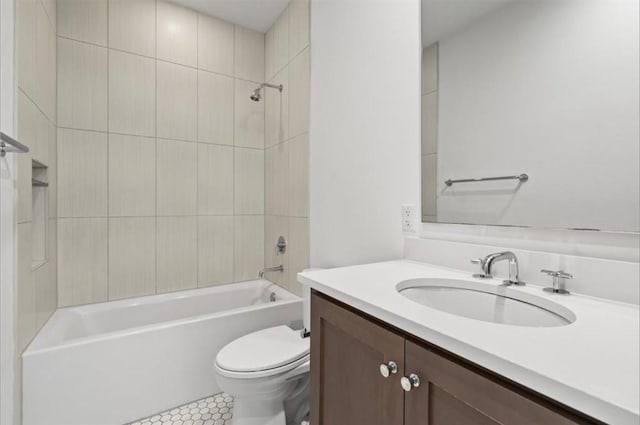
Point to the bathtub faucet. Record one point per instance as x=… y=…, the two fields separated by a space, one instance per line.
x=279 y=268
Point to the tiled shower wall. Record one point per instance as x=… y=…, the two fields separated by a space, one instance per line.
x=160 y=150
x=36 y=228
x=287 y=143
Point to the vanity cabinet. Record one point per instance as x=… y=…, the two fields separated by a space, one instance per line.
x=364 y=372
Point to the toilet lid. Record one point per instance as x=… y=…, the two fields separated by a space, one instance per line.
x=262 y=350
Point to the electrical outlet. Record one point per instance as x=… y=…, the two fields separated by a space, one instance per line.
x=409 y=212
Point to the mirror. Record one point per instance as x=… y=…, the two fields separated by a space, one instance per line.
x=542 y=93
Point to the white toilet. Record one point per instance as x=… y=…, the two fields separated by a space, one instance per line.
x=267 y=372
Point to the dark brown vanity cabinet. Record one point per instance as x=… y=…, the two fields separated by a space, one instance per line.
x=360 y=365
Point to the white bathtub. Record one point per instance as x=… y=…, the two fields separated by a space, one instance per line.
x=110 y=363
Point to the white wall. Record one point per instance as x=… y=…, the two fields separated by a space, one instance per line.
x=550 y=89
x=364 y=129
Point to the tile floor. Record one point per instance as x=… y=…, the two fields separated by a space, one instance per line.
x=214 y=410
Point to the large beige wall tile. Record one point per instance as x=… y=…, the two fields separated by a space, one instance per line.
x=215 y=45
x=177 y=34
x=132 y=94
x=249 y=116
x=25 y=188
x=53 y=258
x=281 y=41
x=430 y=123
x=429 y=184
x=132 y=26
x=298 y=26
x=82 y=173
x=28 y=135
x=52 y=172
x=430 y=68
x=82 y=261
x=298 y=250
x=177 y=101
x=26 y=308
x=46 y=293
x=215 y=180
x=83 y=20
x=26 y=45
x=43 y=134
x=277 y=179
x=269 y=52
x=46 y=63
x=299 y=176
x=249 y=181
x=249 y=54
x=276 y=112
x=274 y=227
x=82 y=85
x=132 y=176
x=215 y=108
x=132 y=257
x=51 y=6
x=177 y=257
x=215 y=250
x=248 y=247
x=299 y=94
x=177 y=177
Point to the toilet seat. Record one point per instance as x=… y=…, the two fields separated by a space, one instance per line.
x=264 y=353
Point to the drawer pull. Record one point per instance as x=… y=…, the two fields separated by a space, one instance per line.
x=390 y=368
x=413 y=381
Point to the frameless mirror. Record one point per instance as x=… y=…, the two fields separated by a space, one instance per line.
x=530 y=113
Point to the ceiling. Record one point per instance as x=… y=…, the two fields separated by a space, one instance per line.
x=441 y=18
x=258 y=15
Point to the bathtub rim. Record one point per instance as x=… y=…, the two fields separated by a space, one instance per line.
x=36 y=345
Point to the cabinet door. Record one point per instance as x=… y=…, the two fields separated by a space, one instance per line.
x=347 y=350
x=450 y=393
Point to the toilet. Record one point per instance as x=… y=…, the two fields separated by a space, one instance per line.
x=267 y=373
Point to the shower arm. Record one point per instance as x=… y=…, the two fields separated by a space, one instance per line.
x=273 y=86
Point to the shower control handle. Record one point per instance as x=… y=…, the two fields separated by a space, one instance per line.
x=388 y=369
x=413 y=381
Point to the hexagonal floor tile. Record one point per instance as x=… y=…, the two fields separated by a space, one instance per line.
x=213 y=410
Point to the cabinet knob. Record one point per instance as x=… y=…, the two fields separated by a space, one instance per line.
x=413 y=381
x=390 y=368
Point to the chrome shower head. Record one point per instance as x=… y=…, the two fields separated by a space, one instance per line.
x=255 y=94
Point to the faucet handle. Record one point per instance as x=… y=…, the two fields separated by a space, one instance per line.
x=559 y=277
x=476 y=261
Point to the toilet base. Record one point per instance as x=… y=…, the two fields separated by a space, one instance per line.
x=258 y=412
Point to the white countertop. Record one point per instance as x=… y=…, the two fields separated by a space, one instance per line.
x=591 y=365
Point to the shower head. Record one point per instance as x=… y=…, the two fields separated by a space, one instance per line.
x=255 y=94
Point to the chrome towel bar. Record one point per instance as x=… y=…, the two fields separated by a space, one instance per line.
x=522 y=177
x=9 y=144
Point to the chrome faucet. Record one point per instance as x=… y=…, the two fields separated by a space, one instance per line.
x=279 y=268
x=488 y=262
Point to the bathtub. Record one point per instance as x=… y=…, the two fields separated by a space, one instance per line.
x=118 y=361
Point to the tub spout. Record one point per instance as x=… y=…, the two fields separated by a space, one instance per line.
x=279 y=268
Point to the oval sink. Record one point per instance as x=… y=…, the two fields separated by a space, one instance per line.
x=486 y=302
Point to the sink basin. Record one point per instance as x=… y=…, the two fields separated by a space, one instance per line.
x=486 y=302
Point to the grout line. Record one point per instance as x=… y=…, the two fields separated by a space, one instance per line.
x=108 y=173
x=198 y=152
x=155 y=152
